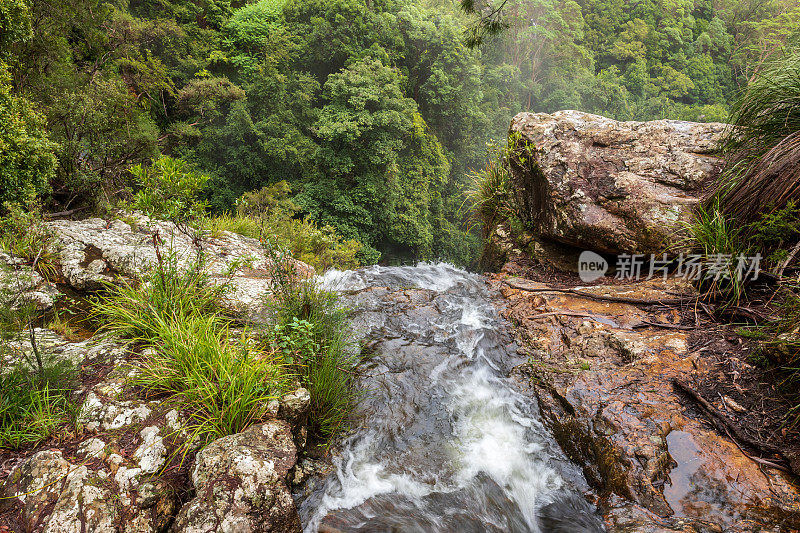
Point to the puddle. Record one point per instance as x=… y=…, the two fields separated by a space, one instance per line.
x=695 y=488
x=70 y=316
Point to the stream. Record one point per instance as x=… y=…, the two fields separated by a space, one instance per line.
x=443 y=440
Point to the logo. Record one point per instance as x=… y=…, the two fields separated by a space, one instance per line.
x=591 y=266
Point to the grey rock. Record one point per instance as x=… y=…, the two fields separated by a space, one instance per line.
x=35 y=483
x=24 y=286
x=240 y=481
x=295 y=406
x=57 y=349
x=151 y=454
x=95 y=251
x=96 y=414
x=78 y=497
x=596 y=183
x=83 y=505
x=92 y=448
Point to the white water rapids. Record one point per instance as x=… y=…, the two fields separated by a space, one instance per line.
x=443 y=441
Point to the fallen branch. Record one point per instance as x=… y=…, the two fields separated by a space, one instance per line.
x=749 y=313
x=64 y=213
x=725 y=425
x=645 y=323
x=601 y=297
x=758 y=460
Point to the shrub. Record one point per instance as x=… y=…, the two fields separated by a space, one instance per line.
x=312 y=331
x=773 y=230
x=269 y=214
x=268 y=202
x=24 y=235
x=169 y=189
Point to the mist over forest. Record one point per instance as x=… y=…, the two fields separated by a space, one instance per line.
x=373 y=112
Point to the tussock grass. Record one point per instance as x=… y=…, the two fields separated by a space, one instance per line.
x=138 y=311
x=312 y=330
x=489 y=194
x=762 y=149
x=712 y=233
x=34 y=403
x=223 y=383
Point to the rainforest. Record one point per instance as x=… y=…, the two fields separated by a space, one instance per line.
x=480 y=266
x=371 y=114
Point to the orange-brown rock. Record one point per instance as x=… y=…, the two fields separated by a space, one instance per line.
x=603 y=377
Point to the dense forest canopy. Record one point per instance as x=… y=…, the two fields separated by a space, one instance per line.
x=374 y=111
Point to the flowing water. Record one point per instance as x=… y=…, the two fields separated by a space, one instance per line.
x=443 y=440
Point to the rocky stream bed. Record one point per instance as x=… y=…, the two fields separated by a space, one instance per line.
x=515 y=402
x=489 y=404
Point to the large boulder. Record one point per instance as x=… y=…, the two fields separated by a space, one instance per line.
x=615 y=187
x=240 y=482
x=97 y=251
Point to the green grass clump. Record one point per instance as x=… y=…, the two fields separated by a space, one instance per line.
x=224 y=384
x=170 y=292
x=712 y=233
x=34 y=403
x=312 y=330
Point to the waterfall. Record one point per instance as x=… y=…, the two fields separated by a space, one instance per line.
x=442 y=440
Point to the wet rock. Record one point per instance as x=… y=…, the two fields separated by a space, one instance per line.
x=295 y=406
x=599 y=184
x=605 y=390
x=95 y=251
x=240 y=481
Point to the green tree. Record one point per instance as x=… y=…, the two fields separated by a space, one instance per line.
x=380 y=165
x=15 y=22
x=27 y=162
